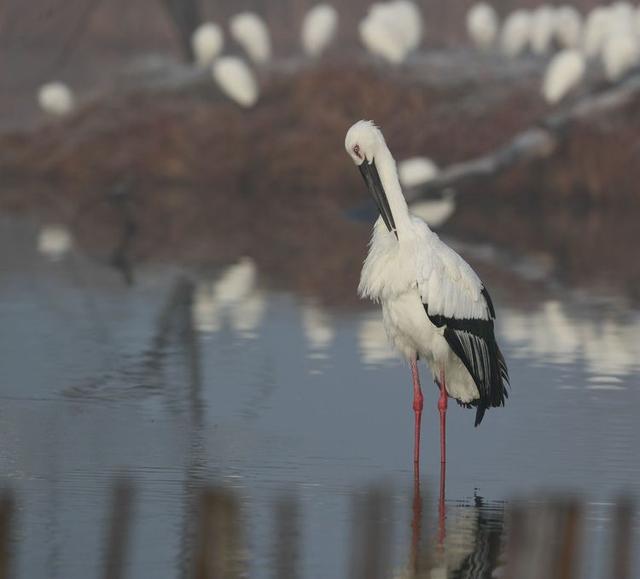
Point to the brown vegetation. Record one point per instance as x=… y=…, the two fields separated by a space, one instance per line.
x=205 y=182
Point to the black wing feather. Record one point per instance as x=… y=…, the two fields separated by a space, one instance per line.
x=474 y=342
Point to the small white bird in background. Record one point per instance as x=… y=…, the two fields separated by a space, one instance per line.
x=595 y=31
x=250 y=31
x=482 y=25
x=435 y=212
x=319 y=28
x=381 y=40
x=620 y=54
x=235 y=79
x=207 y=41
x=391 y=30
x=416 y=171
x=408 y=18
x=622 y=11
x=542 y=30
x=567 y=27
x=434 y=306
x=54 y=241
x=514 y=38
x=56 y=98
x=565 y=71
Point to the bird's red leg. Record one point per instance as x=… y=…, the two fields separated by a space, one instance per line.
x=417 y=408
x=442 y=407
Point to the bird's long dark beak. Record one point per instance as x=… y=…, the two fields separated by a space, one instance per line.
x=372 y=179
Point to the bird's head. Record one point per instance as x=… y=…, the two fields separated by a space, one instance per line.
x=364 y=143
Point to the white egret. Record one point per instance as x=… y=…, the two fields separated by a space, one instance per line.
x=482 y=25
x=595 y=31
x=207 y=42
x=250 y=31
x=319 y=28
x=565 y=71
x=392 y=30
x=54 y=241
x=620 y=53
x=416 y=171
x=514 y=38
x=567 y=27
x=542 y=30
x=236 y=80
x=56 y=98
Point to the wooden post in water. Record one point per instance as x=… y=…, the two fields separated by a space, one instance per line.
x=218 y=553
x=372 y=539
x=569 y=518
x=285 y=552
x=6 y=517
x=622 y=539
x=544 y=540
x=118 y=530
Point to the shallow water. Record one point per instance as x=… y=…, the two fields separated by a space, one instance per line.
x=185 y=379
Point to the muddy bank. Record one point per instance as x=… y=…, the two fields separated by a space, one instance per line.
x=186 y=176
x=206 y=181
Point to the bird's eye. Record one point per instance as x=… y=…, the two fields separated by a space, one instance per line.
x=356 y=151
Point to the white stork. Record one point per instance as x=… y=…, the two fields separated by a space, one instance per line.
x=434 y=305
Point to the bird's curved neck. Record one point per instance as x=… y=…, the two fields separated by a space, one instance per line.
x=389 y=178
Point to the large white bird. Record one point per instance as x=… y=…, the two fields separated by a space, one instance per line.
x=318 y=29
x=250 y=31
x=482 y=25
x=565 y=71
x=434 y=306
x=207 y=41
x=236 y=80
x=56 y=98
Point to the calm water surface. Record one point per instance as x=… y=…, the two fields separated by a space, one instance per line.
x=185 y=379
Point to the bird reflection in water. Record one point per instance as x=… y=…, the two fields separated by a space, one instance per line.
x=467 y=538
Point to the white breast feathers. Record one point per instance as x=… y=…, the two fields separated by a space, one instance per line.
x=422 y=263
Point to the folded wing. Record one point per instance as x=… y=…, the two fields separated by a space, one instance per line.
x=454 y=297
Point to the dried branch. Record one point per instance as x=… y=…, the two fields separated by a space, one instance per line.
x=532 y=144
